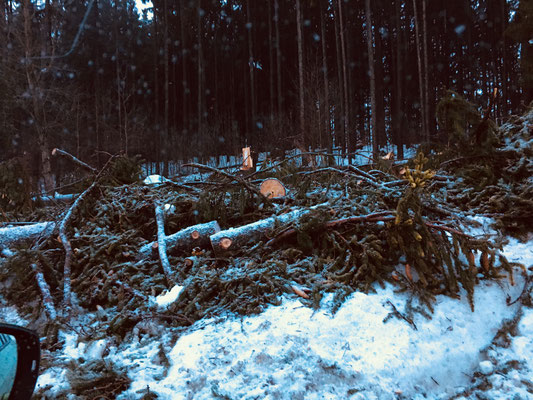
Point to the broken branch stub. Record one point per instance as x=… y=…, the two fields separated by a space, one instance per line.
x=184 y=240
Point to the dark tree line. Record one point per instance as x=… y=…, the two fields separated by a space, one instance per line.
x=206 y=77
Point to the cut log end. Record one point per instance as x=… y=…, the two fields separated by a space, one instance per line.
x=225 y=243
x=272 y=188
x=195 y=235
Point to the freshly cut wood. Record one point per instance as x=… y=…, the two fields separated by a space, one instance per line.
x=247 y=161
x=11 y=235
x=184 y=240
x=235 y=238
x=272 y=188
x=299 y=292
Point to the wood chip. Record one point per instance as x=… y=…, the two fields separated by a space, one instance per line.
x=408 y=272
x=299 y=292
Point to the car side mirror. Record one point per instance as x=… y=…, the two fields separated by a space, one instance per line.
x=19 y=362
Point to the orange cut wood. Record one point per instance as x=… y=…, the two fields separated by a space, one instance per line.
x=272 y=188
x=299 y=292
x=225 y=243
x=408 y=272
x=195 y=235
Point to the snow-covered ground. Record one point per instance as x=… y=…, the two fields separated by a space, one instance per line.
x=292 y=352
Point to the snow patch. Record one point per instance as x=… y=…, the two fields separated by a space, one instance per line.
x=167 y=298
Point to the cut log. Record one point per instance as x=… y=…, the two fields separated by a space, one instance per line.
x=184 y=240
x=12 y=235
x=272 y=188
x=234 y=238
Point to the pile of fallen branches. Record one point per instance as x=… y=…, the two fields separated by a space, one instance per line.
x=339 y=229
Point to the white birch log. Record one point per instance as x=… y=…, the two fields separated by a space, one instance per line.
x=184 y=240
x=234 y=238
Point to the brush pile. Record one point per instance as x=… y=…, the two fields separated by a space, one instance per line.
x=339 y=229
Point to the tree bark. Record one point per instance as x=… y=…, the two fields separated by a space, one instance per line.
x=278 y=58
x=233 y=239
x=300 y=74
x=420 y=73
x=184 y=240
x=166 y=144
x=327 y=116
x=370 y=49
x=346 y=119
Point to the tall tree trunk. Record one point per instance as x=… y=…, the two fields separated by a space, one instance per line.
x=300 y=74
x=398 y=76
x=199 y=13
x=185 y=121
x=165 y=148
x=347 y=132
x=155 y=32
x=278 y=59
x=251 y=65
x=117 y=77
x=426 y=74
x=270 y=64
x=379 y=75
x=420 y=73
x=340 y=133
x=32 y=81
x=327 y=116
x=370 y=49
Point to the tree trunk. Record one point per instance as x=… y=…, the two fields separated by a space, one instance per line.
x=165 y=141
x=339 y=127
x=327 y=116
x=347 y=133
x=420 y=73
x=370 y=49
x=251 y=65
x=301 y=132
x=398 y=76
x=426 y=77
x=278 y=58
x=270 y=64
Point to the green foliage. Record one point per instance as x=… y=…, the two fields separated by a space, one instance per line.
x=462 y=123
x=124 y=170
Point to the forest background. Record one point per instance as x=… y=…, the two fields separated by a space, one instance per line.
x=204 y=78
